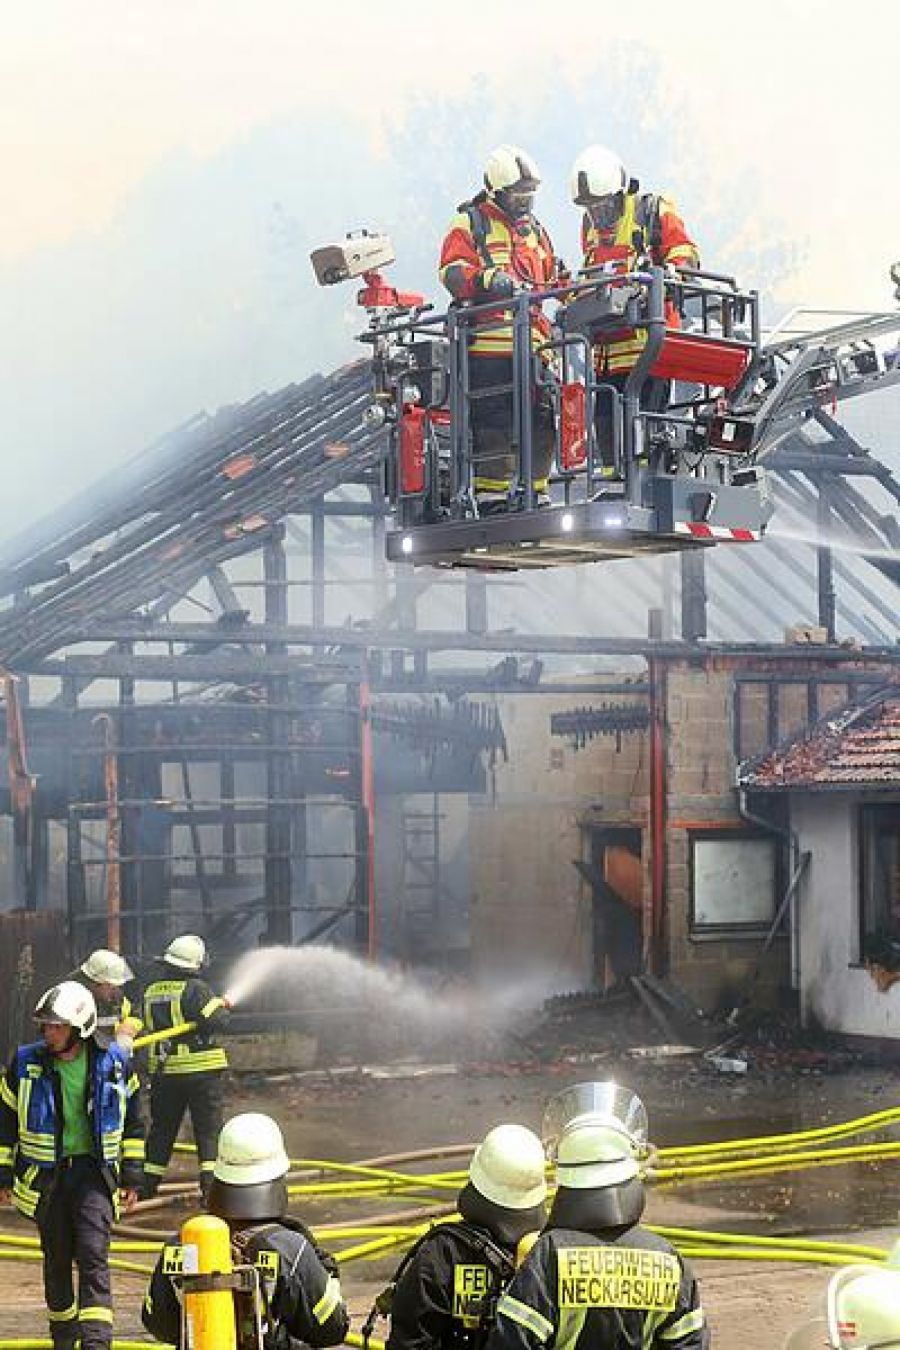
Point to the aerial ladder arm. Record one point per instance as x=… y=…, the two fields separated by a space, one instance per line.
x=802 y=371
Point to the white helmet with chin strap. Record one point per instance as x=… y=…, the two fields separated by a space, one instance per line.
x=106 y=967
x=597 y=1133
x=863 y=1311
x=512 y=178
x=187 y=952
x=596 y=173
x=68 y=1004
x=248 y=1180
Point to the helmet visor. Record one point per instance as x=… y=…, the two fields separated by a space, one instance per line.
x=517 y=201
x=599 y=1103
x=605 y=211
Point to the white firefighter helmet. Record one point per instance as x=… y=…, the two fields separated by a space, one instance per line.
x=512 y=178
x=508 y=166
x=68 y=1004
x=863 y=1311
x=507 y=1168
x=250 y=1151
x=596 y=173
x=187 y=952
x=106 y=967
x=596 y=1132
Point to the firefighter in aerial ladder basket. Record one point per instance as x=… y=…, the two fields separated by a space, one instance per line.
x=622 y=228
x=494 y=248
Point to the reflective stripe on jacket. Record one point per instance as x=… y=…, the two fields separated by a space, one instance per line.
x=111 y=1016
x=649 y=226
x=31 y=1122
x=301 y=1291
x=576 y=1291
x=169 y=1003
x=481 y=241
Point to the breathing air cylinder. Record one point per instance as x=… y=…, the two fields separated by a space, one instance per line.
x=208 y=1310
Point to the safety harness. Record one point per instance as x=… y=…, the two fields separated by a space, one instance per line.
x=480 y=225
x=500 y=1263
x=648 y=235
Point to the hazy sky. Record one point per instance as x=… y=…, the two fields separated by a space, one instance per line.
x=167 y=167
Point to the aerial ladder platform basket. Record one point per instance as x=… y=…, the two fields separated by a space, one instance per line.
x=689 y=474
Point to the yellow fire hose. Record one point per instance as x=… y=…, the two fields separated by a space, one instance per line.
x=799 y=1257
x=796 y=1161
x=375 y=1247
x=168 y=1034
x=18 y=1254
x=39 y=1343
x=878 y=1120
x=375 y=1237
x=851 y=1251
x=117 y=1244
x=379 y=1239
x=442 y=1180
x=356 y=1169
x=684 y=1163
x=767 y=1162
x=374 y=1187
x=353 y=1338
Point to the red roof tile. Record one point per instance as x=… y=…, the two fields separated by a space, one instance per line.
x=856 y=747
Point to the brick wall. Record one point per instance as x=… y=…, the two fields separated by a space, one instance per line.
x=529 y=906
x=702 y=796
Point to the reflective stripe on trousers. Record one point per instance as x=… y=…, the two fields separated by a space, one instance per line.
x=74 y=1220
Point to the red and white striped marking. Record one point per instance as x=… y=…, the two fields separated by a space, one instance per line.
x=701 y=531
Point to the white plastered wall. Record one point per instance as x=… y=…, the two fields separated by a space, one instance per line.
x=835 y=990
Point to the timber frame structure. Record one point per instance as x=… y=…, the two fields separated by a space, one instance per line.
x=161 y=648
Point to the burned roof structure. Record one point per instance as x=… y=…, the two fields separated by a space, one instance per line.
x=208 y=644
x=856 y=747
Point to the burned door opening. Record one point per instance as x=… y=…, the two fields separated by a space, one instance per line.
x=615 y=873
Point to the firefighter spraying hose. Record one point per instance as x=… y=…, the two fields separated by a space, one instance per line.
x=185 y=1072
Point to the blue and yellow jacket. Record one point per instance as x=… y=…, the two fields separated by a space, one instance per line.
x=31 y=1121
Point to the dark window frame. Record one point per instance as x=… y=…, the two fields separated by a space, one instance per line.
x=756 y=928
x=867 y=814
